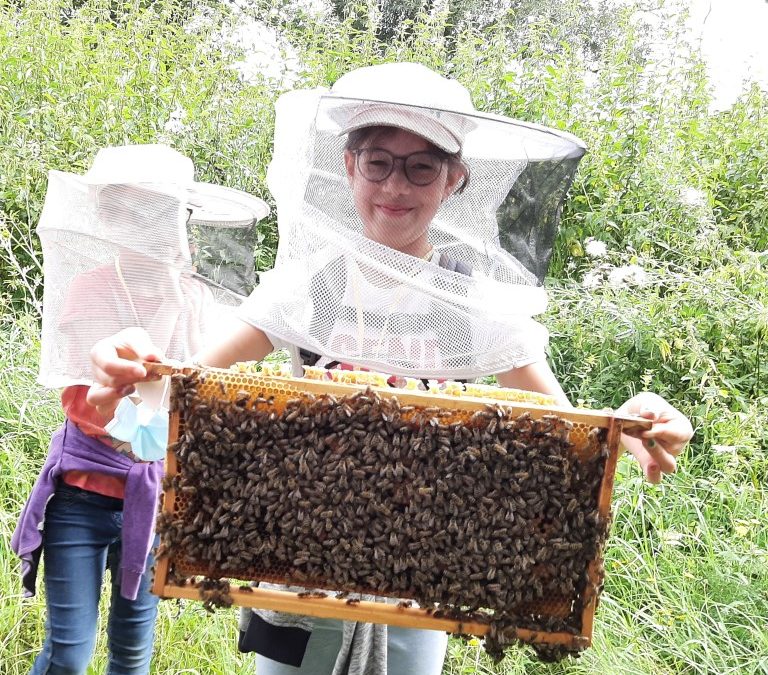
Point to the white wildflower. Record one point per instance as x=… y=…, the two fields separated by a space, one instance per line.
x=616 y=277
x=595 y=248
x=628 y=275
x=592 y=279
x=690 y=196
x=315 y=7
x=175 y=123
x=590 y=79
x=635 y=275
x=265 y=54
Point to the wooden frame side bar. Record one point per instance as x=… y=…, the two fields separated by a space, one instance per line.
x=595 y=571
x=168 y=499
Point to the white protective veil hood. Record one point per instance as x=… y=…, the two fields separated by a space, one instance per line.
x=136 y=241
x=464 y=311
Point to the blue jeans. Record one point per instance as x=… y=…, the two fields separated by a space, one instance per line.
x=82 y=538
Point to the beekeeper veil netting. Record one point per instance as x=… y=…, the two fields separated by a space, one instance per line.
x=414 y=231
x=136 y=242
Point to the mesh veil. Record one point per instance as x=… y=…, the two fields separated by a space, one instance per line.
x=337 y=291
x=122 y=255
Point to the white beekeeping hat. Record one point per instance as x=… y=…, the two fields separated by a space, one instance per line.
x=378 y=96
x=136 y=241
x=166 y=168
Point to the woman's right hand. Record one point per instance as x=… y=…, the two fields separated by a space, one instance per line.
x=115 y=368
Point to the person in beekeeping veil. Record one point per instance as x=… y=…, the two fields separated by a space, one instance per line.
x=147 y=281
x=116 y=254
x=414 y=235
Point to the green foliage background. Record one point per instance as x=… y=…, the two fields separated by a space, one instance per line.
x=680 y=192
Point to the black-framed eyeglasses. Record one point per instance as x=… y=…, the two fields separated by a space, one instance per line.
x=420 y=168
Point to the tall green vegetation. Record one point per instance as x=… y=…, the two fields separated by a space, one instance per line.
x=658 y=278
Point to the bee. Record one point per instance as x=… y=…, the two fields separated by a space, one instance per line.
x=311 y=594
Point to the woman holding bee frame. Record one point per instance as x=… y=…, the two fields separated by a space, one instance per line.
x=418 y=249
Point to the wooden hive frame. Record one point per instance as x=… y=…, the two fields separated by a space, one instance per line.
x=231 y=384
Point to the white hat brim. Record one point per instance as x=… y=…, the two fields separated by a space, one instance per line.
x=224 y=206
x=412 y=121
x=210 y=204
x=483 y=135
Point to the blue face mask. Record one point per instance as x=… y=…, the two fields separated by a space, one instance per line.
x=144 y=427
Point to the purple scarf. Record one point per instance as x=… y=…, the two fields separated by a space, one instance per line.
x=72 y=450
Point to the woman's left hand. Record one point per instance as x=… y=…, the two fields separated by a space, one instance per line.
x=656 y=448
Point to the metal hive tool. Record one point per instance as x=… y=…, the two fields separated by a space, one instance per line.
x=491 y=515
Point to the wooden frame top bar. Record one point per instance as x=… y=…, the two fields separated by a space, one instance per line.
x=592 y=418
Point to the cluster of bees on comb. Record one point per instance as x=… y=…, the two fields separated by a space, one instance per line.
x=491 y=518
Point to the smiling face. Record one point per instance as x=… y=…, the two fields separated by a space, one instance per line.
x=394 y=211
